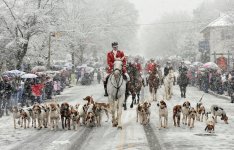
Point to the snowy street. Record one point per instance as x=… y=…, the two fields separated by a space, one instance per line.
x=67 y=65
x=133 y=135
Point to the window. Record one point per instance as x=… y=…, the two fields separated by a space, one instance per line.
x=226 y=33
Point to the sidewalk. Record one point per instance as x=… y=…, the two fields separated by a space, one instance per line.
x=219 y=96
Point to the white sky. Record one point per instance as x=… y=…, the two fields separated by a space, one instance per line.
x=151 y=10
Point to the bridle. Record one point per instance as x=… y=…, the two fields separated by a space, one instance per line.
x=119 y=83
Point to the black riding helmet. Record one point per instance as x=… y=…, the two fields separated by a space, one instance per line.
x=114 y=44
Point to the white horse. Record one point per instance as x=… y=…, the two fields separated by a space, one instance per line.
x=116 y=87
x=168 y=84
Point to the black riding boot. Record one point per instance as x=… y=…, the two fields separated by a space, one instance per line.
x=127 y=90
x=105 y=87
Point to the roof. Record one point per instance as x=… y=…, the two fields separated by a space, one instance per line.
x=223 y=21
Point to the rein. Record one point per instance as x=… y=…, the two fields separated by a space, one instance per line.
x=118 y=86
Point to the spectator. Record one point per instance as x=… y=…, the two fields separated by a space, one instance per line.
x=37 y=91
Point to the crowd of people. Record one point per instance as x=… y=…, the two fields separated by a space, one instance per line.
x=214 y=80
x=27 y=91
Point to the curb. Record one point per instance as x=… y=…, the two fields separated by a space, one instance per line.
x=220 y=96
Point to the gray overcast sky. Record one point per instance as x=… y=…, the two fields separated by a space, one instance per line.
x=151 y=10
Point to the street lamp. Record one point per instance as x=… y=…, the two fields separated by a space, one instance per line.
x=54 y=34
x=49 y=52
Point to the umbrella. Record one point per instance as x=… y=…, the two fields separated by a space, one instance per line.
x=8 y=74
x=187 y=62
x=40 y=73
x=89 y=69
x=197 y=63
x=210 y=65
x=84 y=65
x=29 y=75
x=17 y=72
x=202 y=69
x=52 y=73
x=38 y=69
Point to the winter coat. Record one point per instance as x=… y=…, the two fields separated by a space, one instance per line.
x=151 y=67
x=37 y=89
x=166 y=70
x=183 y=69
x=111 y=60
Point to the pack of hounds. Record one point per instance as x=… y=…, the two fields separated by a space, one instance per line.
x=90 y=114
x=189 y=114
x=49 y=115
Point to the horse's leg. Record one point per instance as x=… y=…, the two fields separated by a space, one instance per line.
x=171 y=90
x=185 y=91
x=119 y=112
x=152 y=93
x=155 y=94
x=62 y=119
x=181 y=91
x=69 y=124
x=125 y=101
x=112 y=107
x=138 y=97
x=166 y=118
x=133 y=98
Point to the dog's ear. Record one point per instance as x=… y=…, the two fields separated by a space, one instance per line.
x=216 y=108
x=189 y=103
x=184 y=104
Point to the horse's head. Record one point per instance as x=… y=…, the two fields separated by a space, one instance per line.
x=118 y=65
x=171 y=75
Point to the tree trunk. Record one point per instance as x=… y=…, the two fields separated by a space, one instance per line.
x=73 y=61
x=20 y=55
x=81 y=54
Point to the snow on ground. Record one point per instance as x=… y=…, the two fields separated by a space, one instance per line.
x=133 y=136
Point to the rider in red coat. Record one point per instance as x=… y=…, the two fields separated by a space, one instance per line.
x=110 y=61
x=151 y=66
x=138 y=65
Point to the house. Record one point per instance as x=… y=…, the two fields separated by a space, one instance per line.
x=220 y=37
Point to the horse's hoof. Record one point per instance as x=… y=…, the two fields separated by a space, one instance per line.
x=120 y=127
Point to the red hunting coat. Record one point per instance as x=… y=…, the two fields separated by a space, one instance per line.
x=111 y=60
x=138 y=66
x=151 y=67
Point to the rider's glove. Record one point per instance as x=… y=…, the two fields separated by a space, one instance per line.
x=128 y=78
